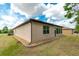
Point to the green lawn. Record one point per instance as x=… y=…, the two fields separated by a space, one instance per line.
x=66 y=45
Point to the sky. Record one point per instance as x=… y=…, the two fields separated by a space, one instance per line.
x=13 y=14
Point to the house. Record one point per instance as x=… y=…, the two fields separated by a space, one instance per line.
x=33 y=31
x=67 y=31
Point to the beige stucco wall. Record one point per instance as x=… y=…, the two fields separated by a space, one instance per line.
x=67 y=32
x=34 y=32
x=24 y=32
x=37 y=32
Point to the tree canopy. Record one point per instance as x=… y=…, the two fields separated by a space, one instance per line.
x=5 y=29
x=72 y=10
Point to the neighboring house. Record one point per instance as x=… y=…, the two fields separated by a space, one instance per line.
x=67 y=31
x=33 y=31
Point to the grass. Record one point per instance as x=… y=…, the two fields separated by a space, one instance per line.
x=66 y=46
x=8 y=45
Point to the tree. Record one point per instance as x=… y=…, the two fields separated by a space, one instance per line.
x=10 y=32
x=72 y=10
x=0 y=31
x=5 y=29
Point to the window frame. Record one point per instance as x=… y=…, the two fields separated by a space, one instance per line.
x=45 y=29
x=58 y=30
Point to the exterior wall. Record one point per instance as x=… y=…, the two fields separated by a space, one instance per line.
x=33 y=32
x=37 y=32
x=67 y=31
x=24 y=32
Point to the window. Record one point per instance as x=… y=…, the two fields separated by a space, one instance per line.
x=45 y=29
x=58 y=30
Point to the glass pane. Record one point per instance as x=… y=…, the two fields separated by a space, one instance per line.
x=45 y=29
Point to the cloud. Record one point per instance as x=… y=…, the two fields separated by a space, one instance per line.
x=11 y=16
x=67 y=23
x=32 y=9
x=11 y=21
x=8 y=20
x=28 y=8
x=15 y=9
x=14 y=14
x=55 y=11
x=55 y=15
